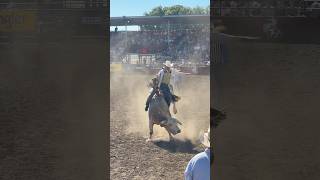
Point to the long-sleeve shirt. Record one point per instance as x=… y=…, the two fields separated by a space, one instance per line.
x=198 y=167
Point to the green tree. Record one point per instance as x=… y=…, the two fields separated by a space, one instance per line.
x=157 y=11
x=199 y=10
x=177 y=10
x=207 y=10
x=173 y=10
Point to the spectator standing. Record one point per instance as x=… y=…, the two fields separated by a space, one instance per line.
x=198 y=167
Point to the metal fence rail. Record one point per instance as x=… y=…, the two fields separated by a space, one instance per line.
x=264 y=11
x=218 y=49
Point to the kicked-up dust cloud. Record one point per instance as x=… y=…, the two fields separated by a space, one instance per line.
x=129 y=92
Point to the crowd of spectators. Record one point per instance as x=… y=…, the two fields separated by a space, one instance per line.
x=266 y=8
x=178 y=44
x=117 y=45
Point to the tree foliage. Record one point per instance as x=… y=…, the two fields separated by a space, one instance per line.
x=173 y=10
x=177 y=10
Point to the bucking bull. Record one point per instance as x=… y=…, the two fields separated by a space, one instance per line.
x=159 y=114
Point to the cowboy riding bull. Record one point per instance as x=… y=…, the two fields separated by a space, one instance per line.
x=159 y=101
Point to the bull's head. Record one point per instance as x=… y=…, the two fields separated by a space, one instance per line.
x=172 y=125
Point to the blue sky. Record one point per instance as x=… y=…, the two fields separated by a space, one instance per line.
x=138 y=7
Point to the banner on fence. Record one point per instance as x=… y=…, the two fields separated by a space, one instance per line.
x=17 y=21
x=115 y=67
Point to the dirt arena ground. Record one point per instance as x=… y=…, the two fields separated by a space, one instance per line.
x=131 y=156
x=271 y=93
x=49 y=111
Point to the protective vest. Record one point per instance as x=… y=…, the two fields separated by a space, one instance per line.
x=166 y=77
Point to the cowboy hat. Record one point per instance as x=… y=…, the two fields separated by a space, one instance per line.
x=168 y=64
x=205 y=139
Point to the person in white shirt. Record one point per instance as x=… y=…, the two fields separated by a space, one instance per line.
x=176 y=78
x=198 y=167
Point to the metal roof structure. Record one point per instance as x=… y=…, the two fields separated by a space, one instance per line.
x=156 y=20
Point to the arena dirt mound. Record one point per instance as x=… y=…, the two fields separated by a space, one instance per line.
x=49 y=108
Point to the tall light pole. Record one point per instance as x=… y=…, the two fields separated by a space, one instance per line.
x=168 y=31
x=126 y=38
x=126 y=35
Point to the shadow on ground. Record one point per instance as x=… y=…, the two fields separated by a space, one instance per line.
x=177 y=145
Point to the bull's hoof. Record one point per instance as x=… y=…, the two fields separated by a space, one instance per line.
x=149 y=140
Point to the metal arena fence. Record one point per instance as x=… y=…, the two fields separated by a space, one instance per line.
x=266 y=11
x=218 y=51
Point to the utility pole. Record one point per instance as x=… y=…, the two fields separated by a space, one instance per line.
x=168 y=30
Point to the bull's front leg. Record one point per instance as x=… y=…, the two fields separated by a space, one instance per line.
x=170 y=135
x=150 y=131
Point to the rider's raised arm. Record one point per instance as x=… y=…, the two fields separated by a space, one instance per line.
x=160 y=77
